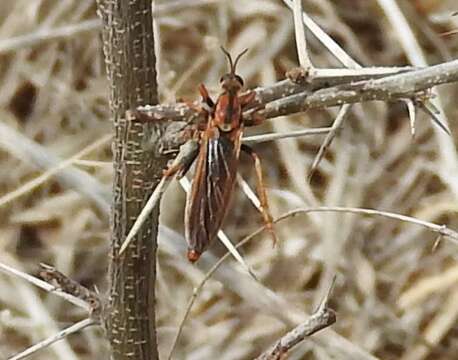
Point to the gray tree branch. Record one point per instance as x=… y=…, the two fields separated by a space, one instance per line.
x=326 y=88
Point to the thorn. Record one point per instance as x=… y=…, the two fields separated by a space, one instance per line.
x=433 y=114
x=436 y=243
x=324 y=303
x=412 y=116
x=432 y=107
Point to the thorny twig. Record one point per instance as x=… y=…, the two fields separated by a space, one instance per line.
x=287 y=97
x=323 y=78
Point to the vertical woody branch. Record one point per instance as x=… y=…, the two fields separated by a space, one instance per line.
x=130 y=60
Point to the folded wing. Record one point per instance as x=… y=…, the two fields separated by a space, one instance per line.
x=211 y=189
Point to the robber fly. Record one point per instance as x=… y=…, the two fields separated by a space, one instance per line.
x=220 y=143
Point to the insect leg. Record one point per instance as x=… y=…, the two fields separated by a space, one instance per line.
x=261 y=191
x=247 y=99
x=188 y=153
x=254 y=119
x=207 y=102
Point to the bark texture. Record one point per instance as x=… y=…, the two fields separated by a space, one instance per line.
x=130 y=60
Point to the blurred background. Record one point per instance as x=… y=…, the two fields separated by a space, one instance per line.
x=395 y=297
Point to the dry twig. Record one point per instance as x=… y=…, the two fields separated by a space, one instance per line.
x=322 y=318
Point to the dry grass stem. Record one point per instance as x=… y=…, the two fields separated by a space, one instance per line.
x=45 y=286
x=53 y=339
x=301 y=42
x=29 y=186
x=337 y=124
x=256 y=139
x=152 y=202
x=44 y=35
x=27 y=150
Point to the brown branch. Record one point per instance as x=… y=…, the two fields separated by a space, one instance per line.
x=130 y=59
x=69 y=286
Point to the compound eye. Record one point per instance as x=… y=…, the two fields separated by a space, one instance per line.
x=239 y=79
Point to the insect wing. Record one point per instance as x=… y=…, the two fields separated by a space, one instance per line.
x=211 y=190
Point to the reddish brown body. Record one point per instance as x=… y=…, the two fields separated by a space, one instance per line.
x=217 y=161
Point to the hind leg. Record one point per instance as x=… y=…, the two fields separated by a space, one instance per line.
x=261 y=189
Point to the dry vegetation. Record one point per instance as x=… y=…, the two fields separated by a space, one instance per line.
x=395 y=297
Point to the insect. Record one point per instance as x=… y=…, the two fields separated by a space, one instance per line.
x=218 y=152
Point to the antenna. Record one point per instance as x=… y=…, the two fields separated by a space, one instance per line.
x=233 y=64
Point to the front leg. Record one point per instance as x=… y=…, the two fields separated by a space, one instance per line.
x=207 y=103
x=255 y=119
x=248 y=102
x=185 y=158
x=261 y=189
